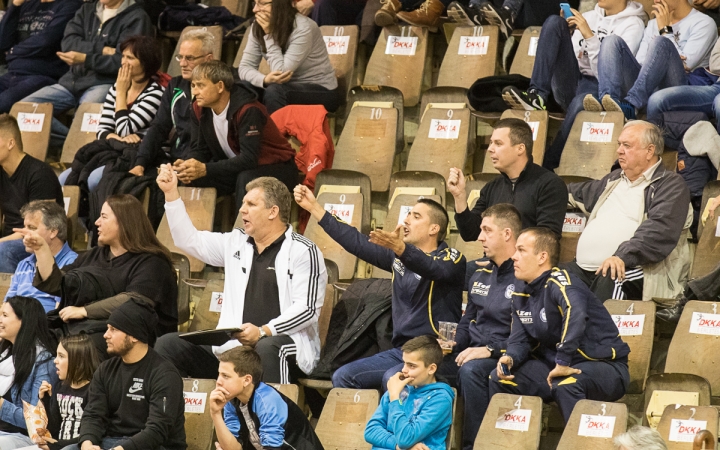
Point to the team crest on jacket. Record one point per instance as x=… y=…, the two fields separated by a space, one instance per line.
x=509 y=291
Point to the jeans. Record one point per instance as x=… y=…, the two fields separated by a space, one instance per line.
x=93 y=179
x=556 y=71
x=369 y=373
x=10 y=441
x=15 y=87
x=63 y=100
x=622 y=77
x=530 y=13
x=107 y=443
x=705 y=99
x=11 y=253
x=276 y=96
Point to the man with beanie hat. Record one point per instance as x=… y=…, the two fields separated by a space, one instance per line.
x=136 y=398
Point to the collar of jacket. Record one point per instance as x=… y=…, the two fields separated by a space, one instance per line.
x=523 y=174
x=659 y=173
x=123 y=6
x=535 y=285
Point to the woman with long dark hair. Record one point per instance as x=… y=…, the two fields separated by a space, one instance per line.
x=300 y=69
x=27 y=341
x=128 y=262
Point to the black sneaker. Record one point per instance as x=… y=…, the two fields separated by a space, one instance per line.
x=528 y=100
x=465 y=16
x=502 y=17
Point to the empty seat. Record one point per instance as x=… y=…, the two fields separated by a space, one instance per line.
x=337 y=177
x=594 y=425
x=217 y=32
x=524 y=59
x=679 y=424
x=511 y=422
x=341 y=425
x=590 y=150
x=471 y=54
x=83 y=131
x=381 y=94
x=34 y=120
x=663 y=389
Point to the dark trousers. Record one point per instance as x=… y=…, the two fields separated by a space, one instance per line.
x=556 y=71
x=705 y=288
x=338 y=12
x=14 y=87
x=276 y=96
x=286 y=172
x=605 y=288
x=198 y=361
x=604 y=381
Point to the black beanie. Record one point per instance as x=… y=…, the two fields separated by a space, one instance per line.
x=136 y=318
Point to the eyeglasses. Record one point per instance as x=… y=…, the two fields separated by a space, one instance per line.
x=189 y=59
x=261 y=4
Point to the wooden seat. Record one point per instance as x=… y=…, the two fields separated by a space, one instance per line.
x=490 y=437
x=263 y=68
x=471 y=54
x=5 y=280
x=573 y=225
x=199 y=427
x=341 y=425
x=71 y=197
x=200 y=206
x=538 y=121
x=524 y=59
x=680 y=423
x=633 y=317
x=381 y=94
x=675 y=382
x=404 y=72
x=348 y=206
x=181 y=264
x=707 y=253
x=207 y=311
x=34 y=120
x=455 y=434
x=339 y=177
x=217 y=32
x=341 y=43
x=696 y=350
x=581 y=156
x=594 y=425
x=473 y=250
x=418 y=178
x=291 y=391
x=444 y=94
x=326 y=313
x=401 y=206
x=83 y=131
x=442 y=140
x=367 y=144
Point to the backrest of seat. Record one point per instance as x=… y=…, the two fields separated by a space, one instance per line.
x=348 y=207
x=5 y=280
x=675 y=382
x=326 y=313
x=367 y=144
x=471 y=54
x=337 y=177
x=707 y=253
x=443 y=94
x=590 y=148
x=636 y=323
x=695 y=347
x=679 y=424
x=263 y=68
x=207 y=311
x=524 y=59
x=341 y=425
x=573 y=225
x=401 y=206
x=217 y=32
x=416 y=179
x=454 y=439
x=594 y=425
x=199 y=427
x=83 y=130
x=538 y=121
x=442 y=141
x=181 y=264
x=341 y=43
x=381 y=94
x=200 y=206
x=398 y=60
x=71 y=197
x=34 y=120
x=511 y=421
x=291 y=391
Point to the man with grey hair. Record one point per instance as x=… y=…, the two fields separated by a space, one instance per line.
x=639 y=438
x=49 y=220
x=637 y=216
x=196 y=47
x=274 y=286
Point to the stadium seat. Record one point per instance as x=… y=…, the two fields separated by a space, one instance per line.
x=326 y=313
x=263 y=68
x=291 y=391
x=443 y=139
x=590 y=149
x=679 y=424
x=71 y=197
x=663 y=389
x=341 y=425
x=402 y=203
x=594 y=425
x=217 y=32
x=207 y=310
x=341 y=43
x=707 y=254
x=83 y=131
x=418 y=179
x=444 y=94
x=199 y=427
x=5 y=280
x=635 y=317
x=337 y=177
x=511 y=422
x=538 y=121
x=473 y=250
x=471 y=54
x=200 y=206
x=381 y=94
x=524 y=59
x=398 y=60
x=181 y=264
x=34 y=120
x=454 y=440
x=367 y=142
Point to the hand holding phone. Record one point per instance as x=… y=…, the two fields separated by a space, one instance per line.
x=505 y=369
x=567 y=13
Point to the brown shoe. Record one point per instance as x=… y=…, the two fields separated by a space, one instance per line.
x=387 y=15
x=427 y=15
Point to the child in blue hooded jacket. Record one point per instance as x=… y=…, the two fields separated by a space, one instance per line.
x=416 y=407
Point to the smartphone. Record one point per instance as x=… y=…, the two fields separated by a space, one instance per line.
x=504 y=367
x=566 y=10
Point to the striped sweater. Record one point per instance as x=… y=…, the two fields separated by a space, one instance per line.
x=136 y=119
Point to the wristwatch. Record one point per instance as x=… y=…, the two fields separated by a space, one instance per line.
x=262 y=333
x=666 y=29
x=491 y=350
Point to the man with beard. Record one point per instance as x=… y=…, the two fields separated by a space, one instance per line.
x=136 y=398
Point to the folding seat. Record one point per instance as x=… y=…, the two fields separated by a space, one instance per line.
x=34 y=120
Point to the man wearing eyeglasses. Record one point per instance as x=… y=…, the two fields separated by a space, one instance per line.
x=168 y=138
